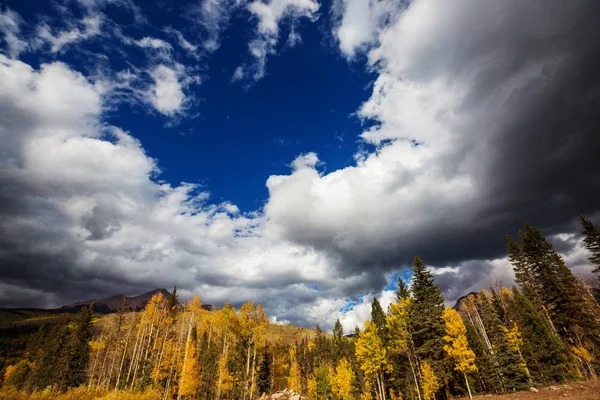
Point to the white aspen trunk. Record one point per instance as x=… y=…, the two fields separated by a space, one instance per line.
x=185 y=357
x=139 y=357
x=133 y=355
x=220 y=380
x=93 y=371
x=247 y=371
x=412 y=368
x=468 y=387
x=125 y=351
x=162 y=352
x=253 y=370
x=103 y=367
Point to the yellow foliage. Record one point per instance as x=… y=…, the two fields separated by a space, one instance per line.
x=190 y=373
x=97 y=346
x=9 y=371
x=395 y=395
x=81 y=393
x=458 y=346
x=370 y=352
x=397 y=324
x=312 y=387
x=341 y=379
x=294 y=375
x=431 y=383
x=582 y=353
x=366 y=395
x=513 y=336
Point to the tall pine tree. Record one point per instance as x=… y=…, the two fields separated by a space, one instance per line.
x=427 y=324
x=591 y=238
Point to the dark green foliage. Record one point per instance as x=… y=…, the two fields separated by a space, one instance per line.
x=19 y=374
x=378 y=317
x=506 y=360
x=548 y=282
x=591 y=238
x=77 y=352
x=323 y=383
x=322 y=347
x=546 y=355
x=173 y=301
x=51 y=363
x=263 y=381
x=426 y=323
x=339 y=342
x=402 y=291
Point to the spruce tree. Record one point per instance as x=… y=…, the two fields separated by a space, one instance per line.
x=546 y=355
x=507 y=361
x=549 y=283
x=264 y=374
x=591 y=239
x=378 y=317
x=338 y=342
x=50 y=364
x=427 y=326
x=402 y=291
x=173 y=301
x=78 y=350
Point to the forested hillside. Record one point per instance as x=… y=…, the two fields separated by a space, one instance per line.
x=498 y=340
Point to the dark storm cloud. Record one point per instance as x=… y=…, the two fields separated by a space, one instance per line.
x=524 y=130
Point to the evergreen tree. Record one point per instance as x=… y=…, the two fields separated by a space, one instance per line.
x=508 y=363
x=77 y=352
x=173 y=301
x=427 y=326
x=264 y=374
x=549 y=283
x=545 y=353
x=339 y=342
x=378 y=317
x=591 y=238
x=402 y=291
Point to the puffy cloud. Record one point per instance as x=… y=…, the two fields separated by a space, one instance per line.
x=484 y=116
x=166 y=95
x=357 y=23
x=83 y=215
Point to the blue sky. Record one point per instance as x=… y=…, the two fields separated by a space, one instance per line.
x=297 y=153
x=233 y=135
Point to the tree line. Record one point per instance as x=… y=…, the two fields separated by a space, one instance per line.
x=497 y=340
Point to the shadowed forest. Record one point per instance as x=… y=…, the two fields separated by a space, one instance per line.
x=496 y=341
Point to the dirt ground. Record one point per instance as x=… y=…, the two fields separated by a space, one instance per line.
x=589 y=390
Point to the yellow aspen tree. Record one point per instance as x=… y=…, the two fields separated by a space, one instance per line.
x=341 y=381
x=457 y=345
x=399 y=336
x=585 y=359
x=371 y=355
x=293 y=378
x=431 y=384
x=190 y=374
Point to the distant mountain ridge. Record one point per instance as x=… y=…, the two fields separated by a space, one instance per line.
x=114 y=302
